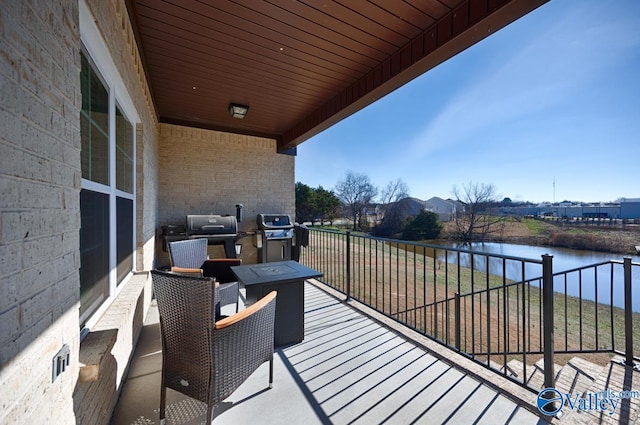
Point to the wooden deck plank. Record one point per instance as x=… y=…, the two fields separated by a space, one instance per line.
x=348 y=369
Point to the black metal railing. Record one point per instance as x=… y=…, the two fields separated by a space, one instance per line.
x=499 y=310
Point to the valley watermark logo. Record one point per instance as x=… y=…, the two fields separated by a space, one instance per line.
x=551 y=401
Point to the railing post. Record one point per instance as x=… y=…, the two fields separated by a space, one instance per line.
x=628 y=313
x=547 y=304
x=348 y=265
x=457 y=318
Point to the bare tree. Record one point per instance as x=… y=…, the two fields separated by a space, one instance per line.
x=392 y=208
x=473 y=220
x=357 y=193
x=394 y=191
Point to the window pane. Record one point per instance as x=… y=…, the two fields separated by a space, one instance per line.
x=124 y=217
x=94 y=125
x=104 y=226
x=124 y=153
x=94 y=251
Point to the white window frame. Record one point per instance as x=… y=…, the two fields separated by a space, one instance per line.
x=98 y=52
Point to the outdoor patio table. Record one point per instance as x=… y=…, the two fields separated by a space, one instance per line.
x=287 y=278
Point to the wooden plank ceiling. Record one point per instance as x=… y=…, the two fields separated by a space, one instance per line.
x=300 y=65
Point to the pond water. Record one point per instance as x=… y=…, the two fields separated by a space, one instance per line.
x=596 y=282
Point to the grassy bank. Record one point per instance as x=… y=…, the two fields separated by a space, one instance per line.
x=531 y=231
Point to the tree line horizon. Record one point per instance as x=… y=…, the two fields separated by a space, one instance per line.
x=354 y=195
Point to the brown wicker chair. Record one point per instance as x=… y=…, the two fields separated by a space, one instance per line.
x=205 y=360
x=189 y=257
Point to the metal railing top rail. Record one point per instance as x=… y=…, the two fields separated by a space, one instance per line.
x=589 y=266
x=633 y=263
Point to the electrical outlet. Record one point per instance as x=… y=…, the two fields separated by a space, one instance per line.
x=61 y=361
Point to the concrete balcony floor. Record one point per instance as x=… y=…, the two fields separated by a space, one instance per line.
x=351 y=368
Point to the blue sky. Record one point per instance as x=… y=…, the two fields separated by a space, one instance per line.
x=553 y=96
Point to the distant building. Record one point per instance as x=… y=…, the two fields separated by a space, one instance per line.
x=445 y=208
x=627 y=208
x=411 y=206
x=630 y=208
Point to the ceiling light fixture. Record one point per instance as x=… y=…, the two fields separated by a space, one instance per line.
x=238 y=111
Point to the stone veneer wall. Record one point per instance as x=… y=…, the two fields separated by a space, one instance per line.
x=40 y=181
x=206 y=171
x=39 y=208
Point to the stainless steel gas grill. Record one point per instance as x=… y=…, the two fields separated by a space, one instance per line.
x=217 y=229
x=275 y=237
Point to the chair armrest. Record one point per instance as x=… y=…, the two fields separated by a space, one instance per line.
x=221 y=324
x=233 y=261
x=186 y=271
